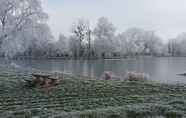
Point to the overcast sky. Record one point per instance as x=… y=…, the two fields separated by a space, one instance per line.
x=166 y=17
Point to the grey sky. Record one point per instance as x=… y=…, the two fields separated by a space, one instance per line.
x=166 y=17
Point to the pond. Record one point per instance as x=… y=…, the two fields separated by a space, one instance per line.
x=162 y=69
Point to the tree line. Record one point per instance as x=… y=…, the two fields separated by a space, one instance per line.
x=25 y=33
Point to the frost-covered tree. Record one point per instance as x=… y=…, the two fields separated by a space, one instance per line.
x=21 y=21
x=153 y=44
x=121 y=43
x=63 y=43
x=79 y=30
x=134 y=39
x=104 y=34
x=177 y=45
x=89 y=42
x=38 y=40
x=60 y=47
x=172 y=47
x=73 y=46
x=138 y=41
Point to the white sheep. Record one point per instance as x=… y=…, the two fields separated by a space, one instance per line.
x=133 y=76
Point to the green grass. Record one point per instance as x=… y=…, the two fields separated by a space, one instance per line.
x=80 y=98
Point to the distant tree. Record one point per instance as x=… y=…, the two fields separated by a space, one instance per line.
x=134 y=41
x=40 y=39
x=121 y=44
x=62 y=45
x=173 y=46
x=153 y=43
x=89 y=41
x=104 y=34
x=139 y=41
x=80 y=30
x=74 y=46
x=177 y=45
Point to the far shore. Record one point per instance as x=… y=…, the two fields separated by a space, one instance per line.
x=86 y=58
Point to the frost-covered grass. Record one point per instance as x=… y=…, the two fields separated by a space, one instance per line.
x=81 y=98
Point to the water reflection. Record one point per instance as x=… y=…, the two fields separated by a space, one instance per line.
x=159 y=69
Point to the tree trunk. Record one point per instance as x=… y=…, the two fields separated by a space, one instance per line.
x=89 y=44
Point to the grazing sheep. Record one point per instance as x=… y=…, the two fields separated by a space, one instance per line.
x=133 y=76
x=108 y=75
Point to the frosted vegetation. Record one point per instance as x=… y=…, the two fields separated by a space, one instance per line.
x=24 y=33
x=76 y=97
x=22 y=26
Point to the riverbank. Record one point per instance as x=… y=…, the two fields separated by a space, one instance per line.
x=80 y=58
x=80 y=98
x=91 y=58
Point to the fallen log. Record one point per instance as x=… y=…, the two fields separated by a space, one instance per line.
x=182 y=74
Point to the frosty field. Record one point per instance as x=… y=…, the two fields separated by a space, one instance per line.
x=75 y=97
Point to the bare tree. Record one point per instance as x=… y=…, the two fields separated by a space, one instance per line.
x=80 y=30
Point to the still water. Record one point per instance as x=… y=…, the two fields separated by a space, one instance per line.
x=164 y=69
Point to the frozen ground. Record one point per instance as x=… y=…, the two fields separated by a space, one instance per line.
x=81 y=98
